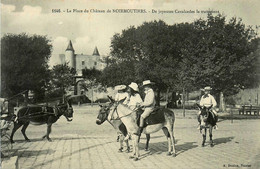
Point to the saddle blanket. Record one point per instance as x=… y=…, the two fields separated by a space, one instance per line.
x=156 y=117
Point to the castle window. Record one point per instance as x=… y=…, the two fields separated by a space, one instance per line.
x=83 y=62
x=95 y=63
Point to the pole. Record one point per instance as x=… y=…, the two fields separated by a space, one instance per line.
x=231 y=116
x=183 y=101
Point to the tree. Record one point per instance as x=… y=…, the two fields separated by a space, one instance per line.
x=141 y=53
x=62 y=77
x=24 y=64
x=221 y=56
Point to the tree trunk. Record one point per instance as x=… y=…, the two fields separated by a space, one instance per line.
x=26 y=98
x=158 y=98
x=183 y=101
x=222 y=105
x=167 y=93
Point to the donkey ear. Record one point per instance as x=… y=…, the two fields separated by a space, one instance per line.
x=122 y=101
x=111 y=99
x=199 y=106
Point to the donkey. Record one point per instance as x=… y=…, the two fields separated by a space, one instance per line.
x=118 y=125
x=39 y=115
x=206 y=120
x=126 y=115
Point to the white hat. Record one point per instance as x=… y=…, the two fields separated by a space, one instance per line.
x=207 y=88
x=147 y=82
x=120 y=87
x=134 y=86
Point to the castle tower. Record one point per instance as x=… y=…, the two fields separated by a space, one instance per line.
x=95 y=53
x=70 y=56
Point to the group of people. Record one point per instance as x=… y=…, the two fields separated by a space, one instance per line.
x=134 y=101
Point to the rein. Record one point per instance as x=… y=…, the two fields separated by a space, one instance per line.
x=118 y=117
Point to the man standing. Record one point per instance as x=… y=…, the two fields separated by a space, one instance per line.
x=148 y=104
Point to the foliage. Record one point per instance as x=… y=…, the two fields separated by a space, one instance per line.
x=62 y=77
x=91 y=77
x=212 y=52
x=24 y=67
x=221 y=55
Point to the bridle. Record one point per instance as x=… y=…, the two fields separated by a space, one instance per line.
x=118 y=116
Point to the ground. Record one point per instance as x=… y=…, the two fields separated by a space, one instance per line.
x=81 y=144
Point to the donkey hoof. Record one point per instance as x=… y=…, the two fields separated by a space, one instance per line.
x=202 y=144
x=136 y=159
x=50 y=140
x=211 y=145
x=28 y=140
x=147 y=149
x=120 y=150
x=43 y=137
x=174 y=154
x=169 y=154
x=12 y=141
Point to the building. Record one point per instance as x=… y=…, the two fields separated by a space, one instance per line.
x=82 y=61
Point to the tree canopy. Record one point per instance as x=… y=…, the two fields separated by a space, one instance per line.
x=210 y=52
x=24 y=63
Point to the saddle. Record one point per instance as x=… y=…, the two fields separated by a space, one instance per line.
x=156 y=117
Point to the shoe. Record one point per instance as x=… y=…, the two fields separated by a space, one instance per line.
x=117 y=140
x=198 y=127
x=216 y=127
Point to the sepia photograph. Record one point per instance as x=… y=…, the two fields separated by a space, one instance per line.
x=130 y=84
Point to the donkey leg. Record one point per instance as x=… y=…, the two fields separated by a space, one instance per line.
x=147 y=142
x=127 y=146
x=134 y=137
x=24 y=129
x=120 y=143
x=16 y=127
x=210 y=136
x=172 y=140
x=137 y=154
x=167 y=134
x=204 y=138
x=48 y=132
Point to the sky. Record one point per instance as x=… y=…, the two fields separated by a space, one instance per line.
x=89 y=29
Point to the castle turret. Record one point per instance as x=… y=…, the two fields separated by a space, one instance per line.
x=70 y=56
x=95 y=53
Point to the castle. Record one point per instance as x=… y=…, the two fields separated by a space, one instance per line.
x=82 y=61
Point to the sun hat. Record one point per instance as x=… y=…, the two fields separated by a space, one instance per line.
x=134 y=86
x=207 y=88
x=147 y=82
x=120 y=87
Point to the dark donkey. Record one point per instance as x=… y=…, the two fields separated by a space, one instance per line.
x=39 y=115
x=117 y=124
x=207 y=120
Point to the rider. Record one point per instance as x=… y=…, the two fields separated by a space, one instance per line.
x=207 y=100
x=135 y=99
x=148 y=104
x=120 y=95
